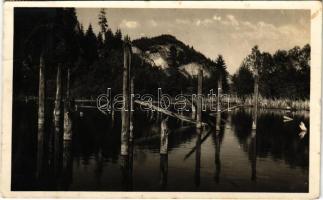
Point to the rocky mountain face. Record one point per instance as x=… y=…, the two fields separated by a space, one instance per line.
x=167 y=53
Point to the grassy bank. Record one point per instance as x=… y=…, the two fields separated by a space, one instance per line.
x=285 y=104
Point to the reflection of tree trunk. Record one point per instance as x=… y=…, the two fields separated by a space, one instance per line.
x=217 y=159
x=57 y=115
x=67 y=166
x=253 y=155
x=41 y=117
x=130 y=170
x=198 y=159
x=126 y=172
x=99 y=168
x=163 y=170
x=199 y=99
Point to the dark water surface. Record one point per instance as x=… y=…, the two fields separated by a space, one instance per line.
x=234 y=159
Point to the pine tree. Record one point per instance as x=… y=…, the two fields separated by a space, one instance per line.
x=91 y=45
x=103 y=22
x=221 y=72
x=118 y=39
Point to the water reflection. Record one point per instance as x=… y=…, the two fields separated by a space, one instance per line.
x=67 y=166
x=234 y=157
x=253 y=154
x=217 y=139
x=198 y=158
x=163 y=171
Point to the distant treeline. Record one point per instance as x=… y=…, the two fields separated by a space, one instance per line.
x=285 y=74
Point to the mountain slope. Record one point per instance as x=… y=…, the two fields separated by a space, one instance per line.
x=166 y=52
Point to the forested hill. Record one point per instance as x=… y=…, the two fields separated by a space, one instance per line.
x=96 y=59
x=180 y=52
x=179 y=61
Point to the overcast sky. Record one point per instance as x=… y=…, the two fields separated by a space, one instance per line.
x=231 y=33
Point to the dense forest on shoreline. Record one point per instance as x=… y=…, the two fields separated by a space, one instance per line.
x=96 y=61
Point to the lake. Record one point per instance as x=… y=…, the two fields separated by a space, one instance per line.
x=274 y=158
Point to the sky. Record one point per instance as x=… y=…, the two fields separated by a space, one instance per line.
x=229 y=32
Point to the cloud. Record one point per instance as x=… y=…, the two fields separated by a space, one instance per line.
x=199 y=22
x=203 y=22
x=153 y=23
x=182 y=21
x=216 y=18
x=257 y=33
x=231 y=20
x=129 y=24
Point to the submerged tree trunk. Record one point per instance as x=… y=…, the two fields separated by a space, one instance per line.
x=125 y=111
x=41 y=116
x=218 y=113
x=67 y=111
x=131 y=109
x=219 y=94
x=199 y=100
x=57 y=115
x=164 y=136
x=255 y=109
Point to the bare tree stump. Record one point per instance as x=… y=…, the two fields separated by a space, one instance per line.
x=255 y=109
x=131 y=109
x=57 y=116
x=164 y=131
x=41 y=116
x=67 y=111
x=125 y=92
x=199 y=99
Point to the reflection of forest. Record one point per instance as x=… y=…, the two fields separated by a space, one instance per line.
x=94 y=134
x=217 y=138
x=274 y=138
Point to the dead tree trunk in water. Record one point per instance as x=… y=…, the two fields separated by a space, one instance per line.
x=57 y=114
x=193 y=111
x=218 y=113
x=41 y=116
x=255 y=109
x=131 y=109
x=67 y=110
x=164 y=137
x=125 y=92
x=219 y=93
x=199 y=99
